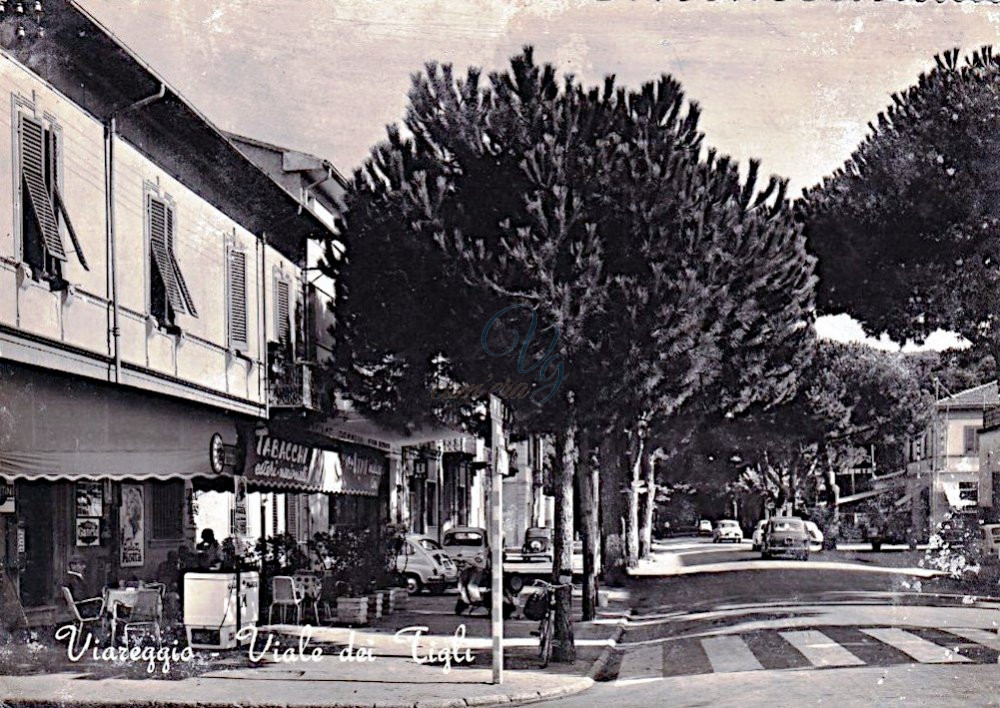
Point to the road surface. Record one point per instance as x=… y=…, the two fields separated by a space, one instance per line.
x=716 y=626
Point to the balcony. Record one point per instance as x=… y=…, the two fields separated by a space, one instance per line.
x=290 y=381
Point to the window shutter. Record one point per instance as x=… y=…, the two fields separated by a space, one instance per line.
x=282 y=323
x=238 y=300
x=178 y=276
x=970 y=438
x=33 y=177
x=159 y=240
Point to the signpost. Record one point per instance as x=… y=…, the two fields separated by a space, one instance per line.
x=496 y=533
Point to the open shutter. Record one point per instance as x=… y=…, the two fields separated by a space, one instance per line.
x=61 y=205
x=238 y=300
x=159 y=236
x=178 y=276
x=282 y=323
x=33 y=176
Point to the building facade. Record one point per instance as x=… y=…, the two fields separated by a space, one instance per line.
x=147 y=269
x=944 y=472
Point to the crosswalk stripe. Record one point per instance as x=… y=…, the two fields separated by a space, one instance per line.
x=920 y=649
x=820 y=650
x=979 y=636
x=641 y=663
x=730 y=653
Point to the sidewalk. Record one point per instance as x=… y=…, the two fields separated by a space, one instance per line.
x=332 y=677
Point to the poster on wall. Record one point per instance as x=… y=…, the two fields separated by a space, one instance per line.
x=88 y=532
x=240 y=508
x=89 y=499
x=133 y=541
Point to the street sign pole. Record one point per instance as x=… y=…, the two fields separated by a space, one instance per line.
x=496 y=536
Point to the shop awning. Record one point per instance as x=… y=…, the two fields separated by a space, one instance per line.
x=355 y=471
x=278 y=464
x=55 y=428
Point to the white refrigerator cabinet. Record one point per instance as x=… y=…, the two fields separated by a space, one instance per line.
x=210 y=602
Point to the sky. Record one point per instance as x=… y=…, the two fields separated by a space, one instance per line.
x=792 y=83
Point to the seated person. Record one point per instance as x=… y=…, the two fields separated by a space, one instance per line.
x=209 y=552
x=80 y=587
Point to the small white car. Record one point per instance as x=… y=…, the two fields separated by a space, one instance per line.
x=467 y=545
x=704 y=527
x=815 y=536
x=425 y=565
x=758 y=535
x=727 y=530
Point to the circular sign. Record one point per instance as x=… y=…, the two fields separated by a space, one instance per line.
x=217 y=453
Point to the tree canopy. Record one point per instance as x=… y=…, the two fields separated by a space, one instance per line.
x=907 y=230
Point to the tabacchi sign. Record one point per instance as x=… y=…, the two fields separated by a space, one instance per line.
x=282 y=463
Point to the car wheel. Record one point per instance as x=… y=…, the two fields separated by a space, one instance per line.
x=413 y=584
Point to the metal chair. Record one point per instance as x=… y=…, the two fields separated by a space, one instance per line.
x=146 y=612
x=308 y=587
x=285 y=594
x=159 y=587
x=74 y=607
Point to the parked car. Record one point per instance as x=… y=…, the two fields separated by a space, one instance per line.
x=467 y=545
x=786 y=536
x=991 y=541
x=425 y=565
x=758 y=535
x=727 y=530
x=537 y=544
x=704 y=527
x=894 y=529
x=815 y=536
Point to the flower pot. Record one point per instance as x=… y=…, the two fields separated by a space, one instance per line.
x=352 y=610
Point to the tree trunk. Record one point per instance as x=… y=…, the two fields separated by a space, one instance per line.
x=563 y=647
x=636 y=449
x=588 y=481
x=649 y=507
x=614 y=470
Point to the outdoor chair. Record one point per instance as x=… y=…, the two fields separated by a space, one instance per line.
x=146 y=612
x=159 y=587
x=284 y=594
x=308 y=586
x=74 y=607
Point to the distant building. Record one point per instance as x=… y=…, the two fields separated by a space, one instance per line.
x=944 y=472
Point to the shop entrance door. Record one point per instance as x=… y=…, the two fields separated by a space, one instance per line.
x=35 y=506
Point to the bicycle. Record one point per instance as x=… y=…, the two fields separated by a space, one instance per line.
x=541 y=606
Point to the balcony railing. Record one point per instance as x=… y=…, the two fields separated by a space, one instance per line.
x=290 y=382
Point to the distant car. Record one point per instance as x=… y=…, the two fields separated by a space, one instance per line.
x=704 y=527
x=786 y=536
x=727 y=530
x=537 y=544
x=758 y=535
x=815 y=536
x=467 y=545
x=425 y=565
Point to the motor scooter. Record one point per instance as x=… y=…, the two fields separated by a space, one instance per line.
x=475 y=590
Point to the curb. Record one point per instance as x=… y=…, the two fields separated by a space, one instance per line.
x=601 y=665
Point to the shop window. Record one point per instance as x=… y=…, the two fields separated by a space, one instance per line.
x=969 y=491
x=42 y=206
x=971 y=446
x=168 y=291
x=168 y=502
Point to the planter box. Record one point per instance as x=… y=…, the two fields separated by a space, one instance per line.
x=386 y=599
x=397 y=599
x=352 y=610
x=375 y=605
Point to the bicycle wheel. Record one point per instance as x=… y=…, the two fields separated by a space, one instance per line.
x=545 y=640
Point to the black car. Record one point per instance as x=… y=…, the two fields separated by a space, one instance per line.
x=537 y=544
